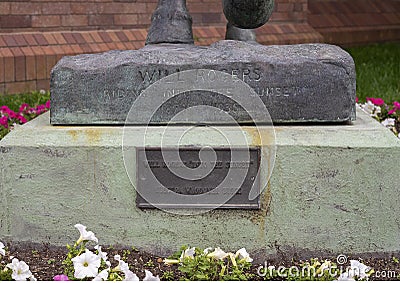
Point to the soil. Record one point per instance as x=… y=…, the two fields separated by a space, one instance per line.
x=45 y=261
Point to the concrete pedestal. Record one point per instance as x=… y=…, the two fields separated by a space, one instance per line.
x=334 y=188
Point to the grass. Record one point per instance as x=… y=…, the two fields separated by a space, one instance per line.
x=378 y=71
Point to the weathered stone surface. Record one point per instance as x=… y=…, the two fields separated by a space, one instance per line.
x=170 y=23
x=297 y=83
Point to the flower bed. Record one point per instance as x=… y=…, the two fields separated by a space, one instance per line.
x=87 y=260
x=9 y=119
x=387 y=114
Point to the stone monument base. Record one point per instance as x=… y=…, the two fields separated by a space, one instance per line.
x=333 y=189
x=297 y=83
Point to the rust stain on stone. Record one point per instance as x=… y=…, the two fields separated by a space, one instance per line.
x=92 y=136
x=259 y=218
x=73 y=134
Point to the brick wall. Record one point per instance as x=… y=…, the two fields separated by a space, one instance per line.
x=355 y=22
x=51 y=15
x=35 y=34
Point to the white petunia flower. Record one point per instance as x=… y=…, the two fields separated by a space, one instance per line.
x=101 y=254
x=346 y=276
x=124 y=267
x=130 y=276
x=85 y=235
x=243 y=254
x=360 y=270
x=368 y=107
x=20 y=270
x=150 y=277
x=388 y=122
x=2 y=250
x=218 y=254
x=188 y=253
x=207 y=250
x=86 y=265
x=102 y=276
x=356 y=269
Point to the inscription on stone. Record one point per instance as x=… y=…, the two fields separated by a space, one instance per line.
x=299 y=83
x=227 y=180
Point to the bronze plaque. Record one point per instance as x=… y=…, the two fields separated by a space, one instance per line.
x=191 y=177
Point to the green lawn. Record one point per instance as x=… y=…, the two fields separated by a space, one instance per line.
x=378 y=71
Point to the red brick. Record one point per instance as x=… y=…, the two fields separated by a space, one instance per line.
x=13 y=21
x=124 y=20
x=50 y=62
x=87 y=37
x=43 y=84
x=9 y=69
x=104 y=36
x=2 y=78
x=78 y=38
x=84 y=8
x=46 y=21
x=10 y=40
x=20 y=68
x=50 y=38
x=20 y=87
x=37 y=50
x=101 y=20
x=40 y=39
x=25 y=8
x=5 y=8
x=76 y=49
x=96 y=37
x=30 y=39
x=27 y=51
x=121 y=36
x=74 y=20
x=2 y=42
x=48 y=50
x=30 y=68
x=113 y=36
x=41 y=72
x=130 y=34
x=69 y=37
x=57 y=50
x=56 y=8
x=59 y=38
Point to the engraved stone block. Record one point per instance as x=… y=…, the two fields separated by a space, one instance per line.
x=297 y=83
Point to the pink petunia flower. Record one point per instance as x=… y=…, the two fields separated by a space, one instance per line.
x=61 y=277
x=12 y=114
x=24 y=107
x=40 y=109
x=47 y=105
x=21 y=118
x=376 y=101
x=356 y=99
x=4 y=109
x=4 y=121
x=396 y=105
